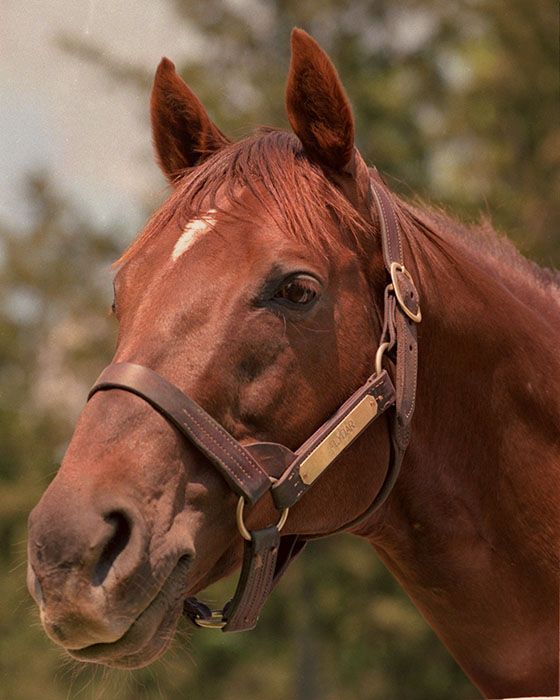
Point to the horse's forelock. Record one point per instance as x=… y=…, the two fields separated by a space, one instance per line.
x=292 y=190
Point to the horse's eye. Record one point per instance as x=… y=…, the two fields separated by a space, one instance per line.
x=298 y=291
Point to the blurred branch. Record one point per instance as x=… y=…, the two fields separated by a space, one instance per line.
x=121 y=71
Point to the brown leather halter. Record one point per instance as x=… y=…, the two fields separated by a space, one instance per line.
x=252 y=470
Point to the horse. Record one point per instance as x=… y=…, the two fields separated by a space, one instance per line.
x=301 y=350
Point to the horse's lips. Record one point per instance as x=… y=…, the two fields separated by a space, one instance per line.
x=149 y=635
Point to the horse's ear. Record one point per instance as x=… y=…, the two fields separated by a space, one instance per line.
x=183 y=133
x=317 y=106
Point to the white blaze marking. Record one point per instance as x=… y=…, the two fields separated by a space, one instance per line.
x=193 y=231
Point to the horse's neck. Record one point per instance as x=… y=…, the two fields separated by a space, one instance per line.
x=471 y=527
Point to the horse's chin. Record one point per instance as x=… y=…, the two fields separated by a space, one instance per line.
x=149 y=636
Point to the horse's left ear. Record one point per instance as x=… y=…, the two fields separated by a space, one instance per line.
x=317 y=106
x=182 y=131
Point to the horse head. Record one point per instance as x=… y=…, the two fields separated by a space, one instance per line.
x=256 y=290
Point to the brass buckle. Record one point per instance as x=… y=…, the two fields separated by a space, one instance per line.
x=214 y=622
x=241 y=525
x=399 y=267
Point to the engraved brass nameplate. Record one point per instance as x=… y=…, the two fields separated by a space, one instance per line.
x=341 y=436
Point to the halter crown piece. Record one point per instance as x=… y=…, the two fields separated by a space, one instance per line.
x=252 y=470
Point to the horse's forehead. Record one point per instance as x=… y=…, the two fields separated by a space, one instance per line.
x=192 y=232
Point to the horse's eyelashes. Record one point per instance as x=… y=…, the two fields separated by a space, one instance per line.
x=298 y=291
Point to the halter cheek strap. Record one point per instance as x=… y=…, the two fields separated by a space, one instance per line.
x=252 y=470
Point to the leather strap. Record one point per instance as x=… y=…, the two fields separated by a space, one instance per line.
x=236 y=463
x=261 y=562
x=334 y=436
x=255 y=582
x=401 y=317
x=242 y=472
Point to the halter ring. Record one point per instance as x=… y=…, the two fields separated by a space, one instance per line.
x=379 y=357
x=241 y=525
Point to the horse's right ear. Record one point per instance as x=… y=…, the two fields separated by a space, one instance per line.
x=183 y=133
x=317 y=106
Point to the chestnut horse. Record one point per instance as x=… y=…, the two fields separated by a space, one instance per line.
x=260 y=294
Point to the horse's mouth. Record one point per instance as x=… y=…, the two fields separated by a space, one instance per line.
x=151 y=633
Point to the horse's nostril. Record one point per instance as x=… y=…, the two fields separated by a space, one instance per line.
x=113 y=547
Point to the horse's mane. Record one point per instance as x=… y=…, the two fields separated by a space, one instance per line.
x=298 y=195
x=479 y=240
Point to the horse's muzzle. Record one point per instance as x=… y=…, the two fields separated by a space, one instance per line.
x=81 y=569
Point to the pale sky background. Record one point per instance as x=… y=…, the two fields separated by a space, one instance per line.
x=63 y=115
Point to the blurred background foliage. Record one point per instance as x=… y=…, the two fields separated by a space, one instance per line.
x=456 y=100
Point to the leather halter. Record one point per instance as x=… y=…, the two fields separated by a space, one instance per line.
x=251 y=470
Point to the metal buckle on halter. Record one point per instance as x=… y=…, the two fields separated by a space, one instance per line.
x=214 y=622
x=397 y=267
x=201 y=615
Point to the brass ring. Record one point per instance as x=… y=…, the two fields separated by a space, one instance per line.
x=241 y=525
x=379 y=357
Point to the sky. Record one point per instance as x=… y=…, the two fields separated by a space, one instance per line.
x=61 y=114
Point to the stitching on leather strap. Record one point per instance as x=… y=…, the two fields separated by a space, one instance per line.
x=219 y=446
x=213 y=439
x=235 y=445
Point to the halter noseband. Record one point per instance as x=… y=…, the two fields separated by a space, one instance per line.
x=252 y=470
